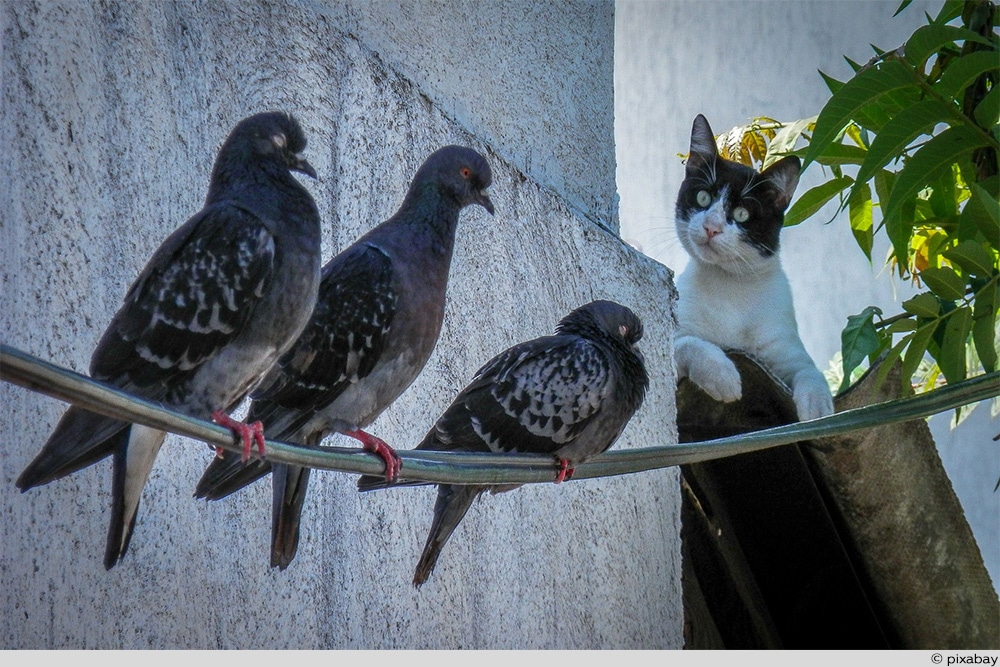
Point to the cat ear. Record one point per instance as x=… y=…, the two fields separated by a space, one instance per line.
x=785 y=175
x=702 y=139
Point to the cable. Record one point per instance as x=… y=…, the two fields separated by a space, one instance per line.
x=24 y=370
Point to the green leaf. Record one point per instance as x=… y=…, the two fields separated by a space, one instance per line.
x=860 y=208
x=944 y=282
x=928 y=163
x=951 y=9
x=924 y=304
x=927 y=39
x=984 y=210
x=897 y=134
x=842 y=154
x=951 y=356
x=862 y=90
x=895 y=101
x=830 y=82
x=943 y=198
x=884 y=180
x=858 y=341
x=988 y=110
x=984 y=317
x=903 y=5
x=814 y=199
x=963 y=71
x=902 y=326
x=916 y=348
x=888 y=361
x=854 y=66
x=973 y=258
x=899 y=229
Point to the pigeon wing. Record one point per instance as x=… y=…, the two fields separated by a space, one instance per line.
x=535 y=397
x=195 y=296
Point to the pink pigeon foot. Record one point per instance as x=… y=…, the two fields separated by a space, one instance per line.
x=565 y=472
x=378 y=447
x=248 y=433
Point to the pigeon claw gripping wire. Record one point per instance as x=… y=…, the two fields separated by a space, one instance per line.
x=379 y=447
x=248 y=433
x=565 y=473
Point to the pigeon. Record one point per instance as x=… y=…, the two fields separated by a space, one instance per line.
x=569 y=395
x=219 y=302
x=377 y=320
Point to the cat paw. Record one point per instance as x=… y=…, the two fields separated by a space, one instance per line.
x=812 y=397
x=716 y=375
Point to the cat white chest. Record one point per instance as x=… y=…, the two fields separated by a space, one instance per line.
x=740 y=312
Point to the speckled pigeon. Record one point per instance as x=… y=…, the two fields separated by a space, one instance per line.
x=219 y=302
x=377 y=319
x=570 y=395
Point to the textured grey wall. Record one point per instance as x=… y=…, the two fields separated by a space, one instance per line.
x=113 y=114
x=531 y=78
x=735 y=59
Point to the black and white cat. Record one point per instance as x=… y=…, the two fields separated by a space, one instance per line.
x=734 y=295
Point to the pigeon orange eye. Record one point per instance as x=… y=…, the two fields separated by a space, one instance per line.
x=466 y=172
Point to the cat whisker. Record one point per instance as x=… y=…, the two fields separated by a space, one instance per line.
x=752 y=185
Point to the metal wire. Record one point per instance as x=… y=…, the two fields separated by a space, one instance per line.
x=22 y=369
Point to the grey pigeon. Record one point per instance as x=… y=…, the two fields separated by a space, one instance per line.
x=569 y=395
x=377 y=319
x=218 y=303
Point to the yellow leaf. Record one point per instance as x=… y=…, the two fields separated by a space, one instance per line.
x=755 y=146
x=854 y=132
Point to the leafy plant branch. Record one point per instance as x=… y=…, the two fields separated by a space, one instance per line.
x=909 y=149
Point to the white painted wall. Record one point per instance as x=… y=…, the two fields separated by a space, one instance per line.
x=733 y=60
x=113 y=113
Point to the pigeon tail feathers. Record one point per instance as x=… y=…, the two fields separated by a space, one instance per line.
x=453 y=501
x=289 y=484
x=80 y=439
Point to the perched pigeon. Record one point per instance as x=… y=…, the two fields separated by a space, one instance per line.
x=377 y=319
x=218 y=303
x=569 y=395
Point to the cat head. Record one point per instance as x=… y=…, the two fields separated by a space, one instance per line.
x=729 y=214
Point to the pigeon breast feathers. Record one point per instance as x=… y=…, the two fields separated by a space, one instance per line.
x=346 y=337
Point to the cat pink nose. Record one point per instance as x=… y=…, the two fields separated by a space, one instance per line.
x=712 y=232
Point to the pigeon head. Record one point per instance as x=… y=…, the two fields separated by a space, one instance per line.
x=618 y=329
x=273 y=140
x=461 y=173
x=604 y=317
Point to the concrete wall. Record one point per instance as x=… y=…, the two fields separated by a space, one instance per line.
x=530 y=78
x=733 y=60
x=113 y=114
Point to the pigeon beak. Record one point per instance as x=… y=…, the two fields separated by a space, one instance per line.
x=484 y=200
x=302 y=166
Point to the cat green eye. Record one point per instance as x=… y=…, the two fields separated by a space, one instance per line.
x=740 y=214
x=703 y=198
